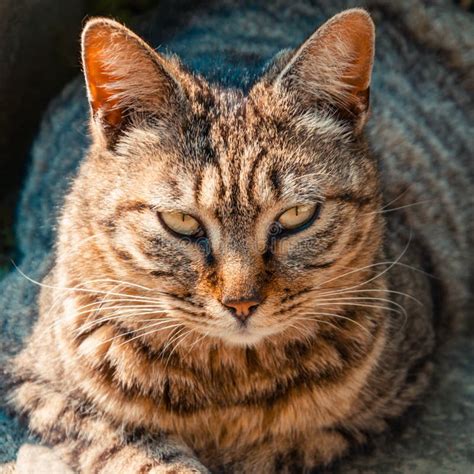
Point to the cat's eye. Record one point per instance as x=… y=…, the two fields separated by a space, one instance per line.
x=181 y=223
x=298 y=216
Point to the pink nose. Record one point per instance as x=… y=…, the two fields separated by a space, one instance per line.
x=242 y=308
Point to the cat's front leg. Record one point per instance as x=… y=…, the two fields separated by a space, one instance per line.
x=86 y=442
x=153 y=457
x=34 y=459
x=291 y=456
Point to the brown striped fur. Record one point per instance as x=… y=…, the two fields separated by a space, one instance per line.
x=293 y=388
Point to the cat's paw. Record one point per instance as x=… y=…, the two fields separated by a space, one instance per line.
x=178 y=469
x=36 y=459
x=174 y=457
x=184 y=467
x=183 y=464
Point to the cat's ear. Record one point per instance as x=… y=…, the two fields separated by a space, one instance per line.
x=124 y=77
x=332 y=68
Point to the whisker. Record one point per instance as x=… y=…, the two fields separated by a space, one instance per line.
x=114 y=288
x=301 y=330
x=131 y=311
x=383 y=211
x=343 y=291
x=85 y=290
x=147 y=333
x=398 y=197
x=394 y=310
x=196 y=341
x=128 y=308
x=176 y=341
x=115 y=316
x=54 y=305
x=119 y=283
x=134 y=331
x=305 y=319
x=361 y=298
x=170 y=339
x=341 y=317
x=124 y=307
x=86 y=240
x=391 y=264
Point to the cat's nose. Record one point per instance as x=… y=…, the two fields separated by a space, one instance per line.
x=242 y=309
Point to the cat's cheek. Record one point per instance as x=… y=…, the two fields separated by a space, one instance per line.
x=217 y=314
x=71 y=313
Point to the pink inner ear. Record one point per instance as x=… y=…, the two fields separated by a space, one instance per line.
x=336 y=62
x=346 y=45
x=356 y=31
x=99 y=80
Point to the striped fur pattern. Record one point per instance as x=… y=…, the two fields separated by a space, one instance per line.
x=135 y=365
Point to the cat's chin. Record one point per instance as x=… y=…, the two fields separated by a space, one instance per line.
x=244 y=336
x=242 y=339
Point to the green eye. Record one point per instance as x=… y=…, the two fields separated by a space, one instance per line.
x=181 y=223
x=298 y=216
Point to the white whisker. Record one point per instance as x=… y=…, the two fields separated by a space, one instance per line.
x=343 y=291
x=120 y=335
x=85 y=290
x=360 y=298
x=394 y=310
x=391 y=265
x=176 y=341
x=147 y=333
x=118 y=315
x=322 y=321
x=341 y=317
x=383 y=211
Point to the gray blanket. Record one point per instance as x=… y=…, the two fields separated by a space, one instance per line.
x=412 y=35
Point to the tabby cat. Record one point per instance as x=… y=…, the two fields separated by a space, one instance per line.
x=222 y=297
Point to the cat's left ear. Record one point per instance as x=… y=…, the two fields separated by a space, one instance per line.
x=332 y=68
x=125 y=78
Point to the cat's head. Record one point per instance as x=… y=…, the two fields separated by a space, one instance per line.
x=233 y=210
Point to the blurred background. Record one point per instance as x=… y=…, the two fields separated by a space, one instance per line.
x=39 y=55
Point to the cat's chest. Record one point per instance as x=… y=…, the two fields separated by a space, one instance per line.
x=269 y=409
x=270 y=406
x=234 y=398
x=218 y=413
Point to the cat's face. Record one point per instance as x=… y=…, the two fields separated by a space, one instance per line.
x=237 y=212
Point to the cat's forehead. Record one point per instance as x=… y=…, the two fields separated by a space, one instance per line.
x=232 y=120
x=235 y=155
x=249 y=153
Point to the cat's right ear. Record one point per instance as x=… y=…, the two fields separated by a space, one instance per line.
x=125 y=78
x=332 y=69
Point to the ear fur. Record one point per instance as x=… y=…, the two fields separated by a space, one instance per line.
x=333 y=67
x=124 y=76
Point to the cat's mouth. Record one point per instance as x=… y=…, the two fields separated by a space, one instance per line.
x=245 y=334
x=235 y=331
